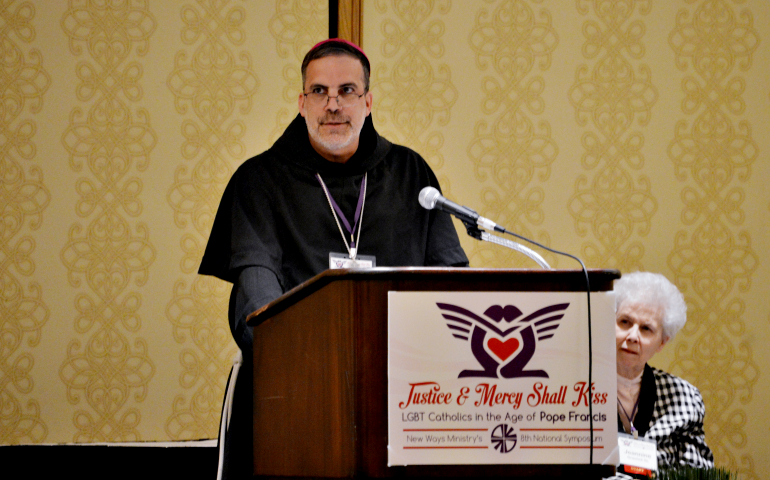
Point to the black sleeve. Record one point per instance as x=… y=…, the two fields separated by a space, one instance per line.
x=245 y=232
x=254 y=287
x=443 y=249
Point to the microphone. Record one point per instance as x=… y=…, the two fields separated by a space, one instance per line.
x=431 y=198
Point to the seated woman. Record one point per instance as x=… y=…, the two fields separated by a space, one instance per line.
x=654 y=404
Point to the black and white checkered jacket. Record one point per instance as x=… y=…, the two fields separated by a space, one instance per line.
x=676 y=422
x=671 y=412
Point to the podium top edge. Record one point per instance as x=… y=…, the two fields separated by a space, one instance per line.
x=597 y=277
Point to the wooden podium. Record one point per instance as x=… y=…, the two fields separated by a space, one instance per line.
x=320 y=371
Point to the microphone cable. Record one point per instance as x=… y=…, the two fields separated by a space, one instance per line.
x=590 y=336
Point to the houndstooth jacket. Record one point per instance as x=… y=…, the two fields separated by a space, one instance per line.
x=676 y=422
x=671 y=412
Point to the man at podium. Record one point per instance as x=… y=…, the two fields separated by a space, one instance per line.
x=330 y=193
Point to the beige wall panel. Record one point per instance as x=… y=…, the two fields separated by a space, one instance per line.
x=108 y=333
x=592 y=105
x=26 y=193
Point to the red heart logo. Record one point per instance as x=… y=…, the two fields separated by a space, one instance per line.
x=505 y=349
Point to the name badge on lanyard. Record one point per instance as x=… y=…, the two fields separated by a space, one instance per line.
x=342 y=260
x=637 y=455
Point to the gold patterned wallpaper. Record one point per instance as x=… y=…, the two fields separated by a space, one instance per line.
x=633 y=134
x=25 y=197
x=121 y=123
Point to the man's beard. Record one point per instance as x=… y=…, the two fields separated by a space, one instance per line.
x=333 y=142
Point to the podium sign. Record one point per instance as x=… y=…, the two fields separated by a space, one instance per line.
x=499 y=378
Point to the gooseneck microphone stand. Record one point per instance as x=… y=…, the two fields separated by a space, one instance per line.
x=475 y=232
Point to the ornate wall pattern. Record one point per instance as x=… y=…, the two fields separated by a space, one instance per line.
x=109 y=251
x=514 y=40
x=713 y=259
x=296 y=27
x=210 y=80
x=412 y=95
x=215 y=82
x=23 y=198
x=610 y=96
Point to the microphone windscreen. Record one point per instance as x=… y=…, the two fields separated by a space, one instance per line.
x=428 y=197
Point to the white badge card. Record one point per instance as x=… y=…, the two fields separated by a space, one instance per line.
x=343 y=260
x=637 y=452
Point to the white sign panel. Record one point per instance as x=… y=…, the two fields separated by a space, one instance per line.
x=500 y=378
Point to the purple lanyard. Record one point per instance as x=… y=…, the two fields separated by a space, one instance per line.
x=633 y=414
x=340 y=215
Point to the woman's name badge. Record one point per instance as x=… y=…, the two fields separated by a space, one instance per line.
x=343 y=260
x=637 y=453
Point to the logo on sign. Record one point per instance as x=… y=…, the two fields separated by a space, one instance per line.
x=503 y=438
x=503 y=339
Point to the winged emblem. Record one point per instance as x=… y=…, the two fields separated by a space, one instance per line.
x=503 y=338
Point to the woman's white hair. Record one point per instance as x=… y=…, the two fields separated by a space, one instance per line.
x=653 y=289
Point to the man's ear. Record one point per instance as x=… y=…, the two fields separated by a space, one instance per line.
x=301 y=104
x=368 y=97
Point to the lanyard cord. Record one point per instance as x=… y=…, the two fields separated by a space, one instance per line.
x=633 y=414
x=357 y=220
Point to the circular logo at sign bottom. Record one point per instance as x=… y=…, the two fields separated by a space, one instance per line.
x=503 y=438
